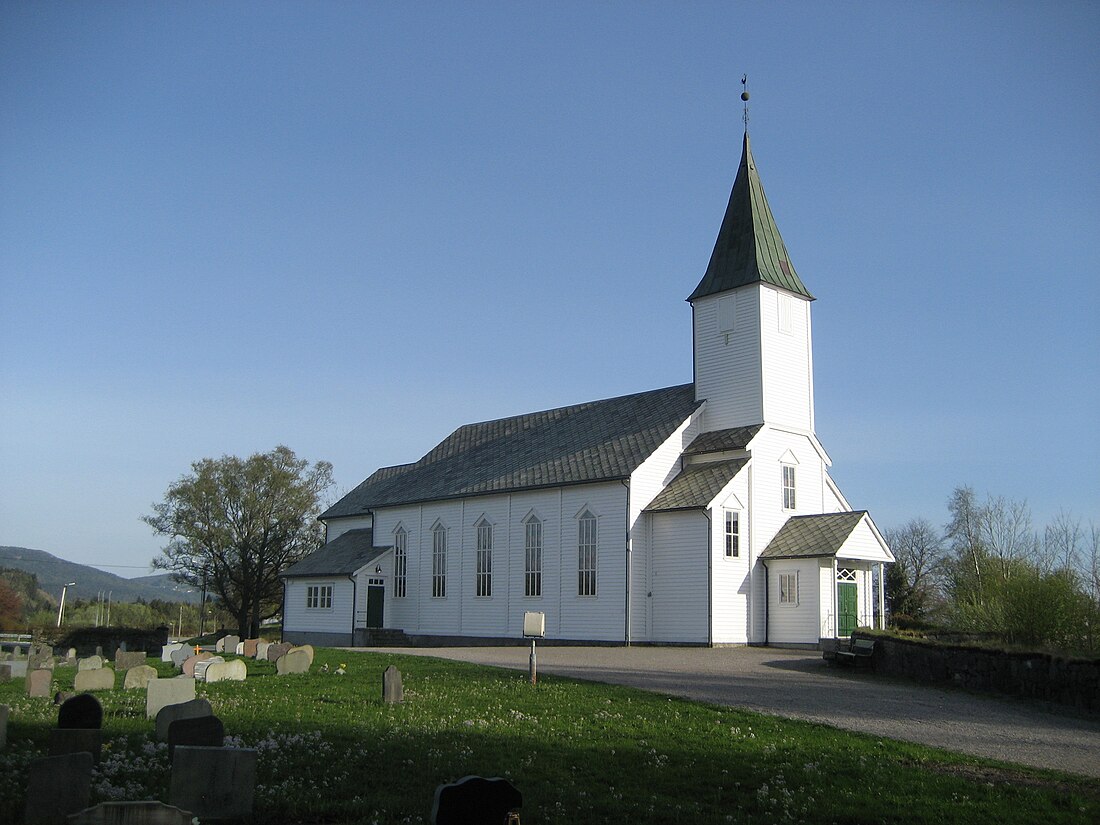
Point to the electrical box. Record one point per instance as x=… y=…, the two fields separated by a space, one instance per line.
x=534 y=624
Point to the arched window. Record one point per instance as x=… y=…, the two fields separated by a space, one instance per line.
x=587 y=543
x=439 y=561
x=400 y=562
x=483 y=574
x=532 y=556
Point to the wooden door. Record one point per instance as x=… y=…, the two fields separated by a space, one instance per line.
x=847 y=608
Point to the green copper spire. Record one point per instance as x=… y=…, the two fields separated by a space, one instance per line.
x=749 y=248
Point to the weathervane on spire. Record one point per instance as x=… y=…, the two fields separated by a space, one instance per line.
x=745 y=99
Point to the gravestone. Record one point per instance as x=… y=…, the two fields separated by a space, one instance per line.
x=190 y=663
x=232 y=671
x=180 y=655
x=18 y=668
x=202 y=665
x=70 y=655
x=204 y=731
x=168 y=714
x=474 y=800
x=125 y=661
x=89 y=663
x=166 y=651
x=99 y=651
x=83 y=711
x=261 y=650
x=3 y=726
x=250 y=646
x=229 y=644
x=219 y=646
x=162 y=692
x=40 y=657
x=62 y=696
x=131 y=813
x=56 y=787
x=102 y=679
x=393 y=692
x=38 y=683
x=76 y=740
x=214 y=783
x=138 y=678
x=240 y=649
x=307 y=649
x=5 y=672
x=295 y=661
x=277 y=650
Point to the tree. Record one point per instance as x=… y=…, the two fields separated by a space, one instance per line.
x=11 y=607
x=912 y=581
x=235 y=524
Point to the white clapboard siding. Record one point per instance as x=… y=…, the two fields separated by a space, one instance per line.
x=299 y=618
x=728 y=363
x=795 y=623
x=679 y=583
x=485 y=615
x=786 y=360
x=337 y=527
x=732 y=577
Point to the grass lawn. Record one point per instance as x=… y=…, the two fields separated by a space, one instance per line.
x=331 y=751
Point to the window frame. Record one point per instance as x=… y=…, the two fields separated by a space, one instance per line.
x=400 y=562
x=788 y=582
x=790 y=497
x=732 y=544
x=588 y=545
x=483 y=559
x=439 y=561
x=319 y=596
x=532 y=557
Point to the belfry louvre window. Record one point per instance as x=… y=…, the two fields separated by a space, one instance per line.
x=733 y=534
x=483 y=577
x=439 y=562
x=788 y=487
x=532 y=558
x=400 y=563
x=587 y=542
x=319 y=597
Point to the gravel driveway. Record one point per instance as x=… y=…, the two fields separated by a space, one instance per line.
x=797 y=684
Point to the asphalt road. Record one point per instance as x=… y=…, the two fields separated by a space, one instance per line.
x=799 y=685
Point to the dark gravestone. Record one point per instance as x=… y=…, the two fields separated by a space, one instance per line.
x=393 y=692
x=203 y=731
x=131 y=813
x=277 y=650
x=61 y=697
x=76 y=740
x=5 y=673
x=214 y=783
x=474 y=800
x=125 y=661
x=192 y=709
x=56 y=787
x=83 y=711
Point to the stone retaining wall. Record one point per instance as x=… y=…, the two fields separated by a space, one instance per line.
x=1072 y=682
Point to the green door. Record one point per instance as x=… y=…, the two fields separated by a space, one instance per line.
x=376 y=595
x=847 y=615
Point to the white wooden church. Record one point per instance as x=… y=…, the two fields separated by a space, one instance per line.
x=696 y=514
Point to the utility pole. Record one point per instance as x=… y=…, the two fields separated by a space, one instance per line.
x=61 y=609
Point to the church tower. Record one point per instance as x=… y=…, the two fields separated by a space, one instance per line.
x=751 y=320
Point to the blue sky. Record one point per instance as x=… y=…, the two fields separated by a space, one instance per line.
x=351 y=227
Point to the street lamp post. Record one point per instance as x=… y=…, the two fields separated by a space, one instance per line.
x=61 y=609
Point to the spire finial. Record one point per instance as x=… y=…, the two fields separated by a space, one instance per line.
x=745 y=99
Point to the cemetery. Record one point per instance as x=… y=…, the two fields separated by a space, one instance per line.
x=264 y=732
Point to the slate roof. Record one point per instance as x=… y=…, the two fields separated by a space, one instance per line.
x=808 y=536
x=696 y=486
x=737 y=438
x=749 y=248
x=596 y=441
x=340 y=557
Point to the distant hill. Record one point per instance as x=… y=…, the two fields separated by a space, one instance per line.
x=53 y=573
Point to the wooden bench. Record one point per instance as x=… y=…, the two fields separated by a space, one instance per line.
x=859 y=651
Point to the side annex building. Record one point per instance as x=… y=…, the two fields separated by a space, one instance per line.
x=699 y=514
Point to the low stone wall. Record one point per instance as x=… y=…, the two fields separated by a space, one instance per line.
x=1072 y=682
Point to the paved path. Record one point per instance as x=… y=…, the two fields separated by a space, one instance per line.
x=797 y=684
